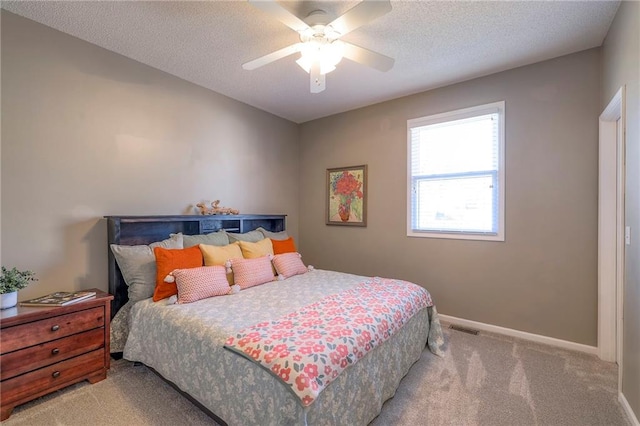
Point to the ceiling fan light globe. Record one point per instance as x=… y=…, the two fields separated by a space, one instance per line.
x=331 y=53
x=305 y=63
x=326 y=68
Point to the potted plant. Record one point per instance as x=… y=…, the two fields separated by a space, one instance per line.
x=12 y=280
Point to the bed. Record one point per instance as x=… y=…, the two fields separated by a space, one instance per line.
x=188 y=344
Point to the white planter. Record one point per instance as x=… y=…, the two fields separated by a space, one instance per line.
x=8 y=300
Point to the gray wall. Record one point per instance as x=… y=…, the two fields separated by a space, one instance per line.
x=621 y=66
x=543 y=278
x=87 y=133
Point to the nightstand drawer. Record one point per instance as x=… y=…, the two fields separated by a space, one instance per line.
x=52 y=376
x=36 y=332
x=34 y=357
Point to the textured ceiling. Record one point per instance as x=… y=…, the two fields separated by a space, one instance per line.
x=434 y=43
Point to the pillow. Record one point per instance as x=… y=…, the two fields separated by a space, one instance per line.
x=259 y=249
x=282 y=235
x=289 y=264
x=217 y=256
x=200 y=283
x=251 y=236
x=283 y=246
x=219 y=238
x=251 y=272
x=169 y=259
x=138 y=265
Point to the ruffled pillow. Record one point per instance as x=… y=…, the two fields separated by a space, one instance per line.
x=289 y=264
x=200 y=283
x=251 y=272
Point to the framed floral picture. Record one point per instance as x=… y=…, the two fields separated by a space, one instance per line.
x=347 y=196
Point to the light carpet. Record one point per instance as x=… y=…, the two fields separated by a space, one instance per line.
x=482 y=380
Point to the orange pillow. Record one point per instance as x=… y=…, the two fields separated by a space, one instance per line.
x=169 y=259
x=283 y=246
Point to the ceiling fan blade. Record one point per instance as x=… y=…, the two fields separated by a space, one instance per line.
x=316 y=79
x=273 y=56
x=368 y=57
x=363 y=13
x=280 y=13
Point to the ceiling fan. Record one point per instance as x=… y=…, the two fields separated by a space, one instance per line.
x=320 y=46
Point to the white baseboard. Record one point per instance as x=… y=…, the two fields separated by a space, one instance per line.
x=565 y=344
x=627 y=409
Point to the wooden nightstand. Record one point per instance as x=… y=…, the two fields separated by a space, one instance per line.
x=46 y=349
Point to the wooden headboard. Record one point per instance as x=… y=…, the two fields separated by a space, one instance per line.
x=134 y=230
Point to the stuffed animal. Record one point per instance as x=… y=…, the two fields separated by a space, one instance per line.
x=216 y=209
x=202 y=208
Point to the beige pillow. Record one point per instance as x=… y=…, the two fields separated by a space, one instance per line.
x=282 y=235
x=219 y=238
x=251 y=236
x=255 y=250
x=218 y=255
x=138 y=265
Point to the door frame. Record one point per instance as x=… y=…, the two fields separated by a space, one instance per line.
x=611 y=190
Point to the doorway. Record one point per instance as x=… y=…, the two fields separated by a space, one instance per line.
x=611 y=229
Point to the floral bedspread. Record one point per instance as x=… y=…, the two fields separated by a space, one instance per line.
x=308 y=348
x=185 y=343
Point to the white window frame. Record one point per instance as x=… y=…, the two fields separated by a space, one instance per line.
x=452 y=116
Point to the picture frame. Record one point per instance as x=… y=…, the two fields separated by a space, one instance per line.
x=347 y=196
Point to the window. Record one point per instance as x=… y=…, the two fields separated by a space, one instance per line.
x=456 y=174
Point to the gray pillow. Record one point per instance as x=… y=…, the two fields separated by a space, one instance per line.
x=219 y=238
x=138 y=265
x=250 y=237
x=282 y=235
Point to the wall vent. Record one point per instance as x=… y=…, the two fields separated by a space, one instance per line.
x=464 y=329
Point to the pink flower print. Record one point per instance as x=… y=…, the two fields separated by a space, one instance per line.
x=302 y=381
x=358 y=310
x=317 y=348
x=255 y=354
x=280 y=348
x=307 y=400
x=284 y=374
x=337 y=321
x=337 y=332
x=297 y=357
x=230 y=341
x=306 y=350
x=270 y=357
x=283 y=325
x=342 y=350
x=327 y=369
x=343 y=363
x=335 y=358
x=345 y=332
x=243 y=342
x=284 y=354
x=311 y=370
x=276 y=368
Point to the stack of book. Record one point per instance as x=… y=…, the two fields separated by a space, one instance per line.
x=59 y=298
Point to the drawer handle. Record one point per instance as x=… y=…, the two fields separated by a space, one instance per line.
x=55 y=374
x=55 y=327
x=55 y=351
